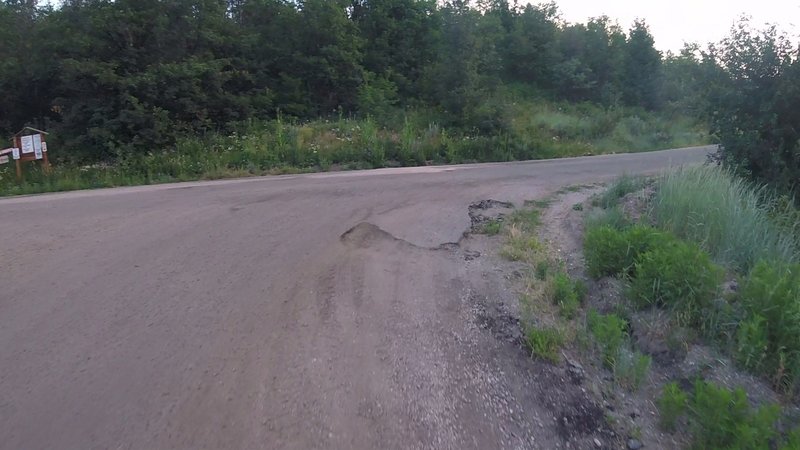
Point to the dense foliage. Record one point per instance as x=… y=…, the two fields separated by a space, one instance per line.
x=111 y=78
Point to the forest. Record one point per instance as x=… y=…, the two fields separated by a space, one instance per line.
x=146 y=91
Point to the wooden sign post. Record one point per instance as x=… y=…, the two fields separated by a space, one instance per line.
x=31 y=147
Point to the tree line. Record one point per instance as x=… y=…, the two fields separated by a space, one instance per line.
x=113 y=78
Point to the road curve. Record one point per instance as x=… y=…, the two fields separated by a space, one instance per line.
x=243 y=314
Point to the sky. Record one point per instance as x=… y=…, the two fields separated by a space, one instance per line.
x=674 y=22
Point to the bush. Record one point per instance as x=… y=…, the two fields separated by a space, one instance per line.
x=769 y=340
x=671 y=405
x=722 y=418
x=544 y=342
x=610 y=333
x=612 y=252
x=679 y=276
x=605 y=251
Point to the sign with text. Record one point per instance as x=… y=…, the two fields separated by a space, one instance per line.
x=26 y=142
x=15 y=153
x=37 y=145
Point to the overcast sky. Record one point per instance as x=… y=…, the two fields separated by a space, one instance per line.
x=675 y=21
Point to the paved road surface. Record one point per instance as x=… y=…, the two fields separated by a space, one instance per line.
x=235 y=314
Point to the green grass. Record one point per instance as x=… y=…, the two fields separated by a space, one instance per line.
x=679 y=276
x=529 y=130
x=610 y=334
x=492 y=227
x=729 y=217
x=544 y=342
x=621 y=187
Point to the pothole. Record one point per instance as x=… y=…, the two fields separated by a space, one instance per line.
x=485 y=211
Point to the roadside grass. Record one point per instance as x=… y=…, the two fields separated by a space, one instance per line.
x=719 y=417
x=527 y=129
x=492 y=227
x=736 y=222
x=621 y=187
x=629 y=367
x=708 y=227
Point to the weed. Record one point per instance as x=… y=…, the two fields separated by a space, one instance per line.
x=610 y=333
x=679 y=276
x=612 y=217
x=769 y=339
x=672 y=404
x=565 y=295
x=721 y=418
x=623 y=186
x=521 y=246
x=492 y=227
x=631 y=368
x=577 y=207
x=605 y=251
x=544 y=342
x=542 y=269
x=609 y=251
x=527 y=220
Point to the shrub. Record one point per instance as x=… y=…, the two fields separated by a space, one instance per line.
x=722 y=418
x=611 y=252
x=769 y=341
x=605 y=251
x=610 y=333
x=544 y=342
x=671 y=405
x=679 y=276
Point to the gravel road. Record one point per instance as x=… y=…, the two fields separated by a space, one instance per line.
x=292 y=312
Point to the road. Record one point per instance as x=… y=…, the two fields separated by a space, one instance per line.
x=295 y=312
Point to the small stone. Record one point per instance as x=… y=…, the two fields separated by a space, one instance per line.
x=597 y=443
x=634 y=444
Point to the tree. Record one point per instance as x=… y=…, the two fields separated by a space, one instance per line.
x=641 y=76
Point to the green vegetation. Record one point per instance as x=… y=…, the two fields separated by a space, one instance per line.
x=544 y=342
x=208 y=89
x=768 y=340
x=567 y=294
x=492 y=227
x=722 y=418
x=729 y=217
x=631 y=368
x=610 y=251
x=678 y=276
x=672 y=404
x=621 y=187
x=610 y=331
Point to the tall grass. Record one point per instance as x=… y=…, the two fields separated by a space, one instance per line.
x=521 y=130
x=728 y=216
